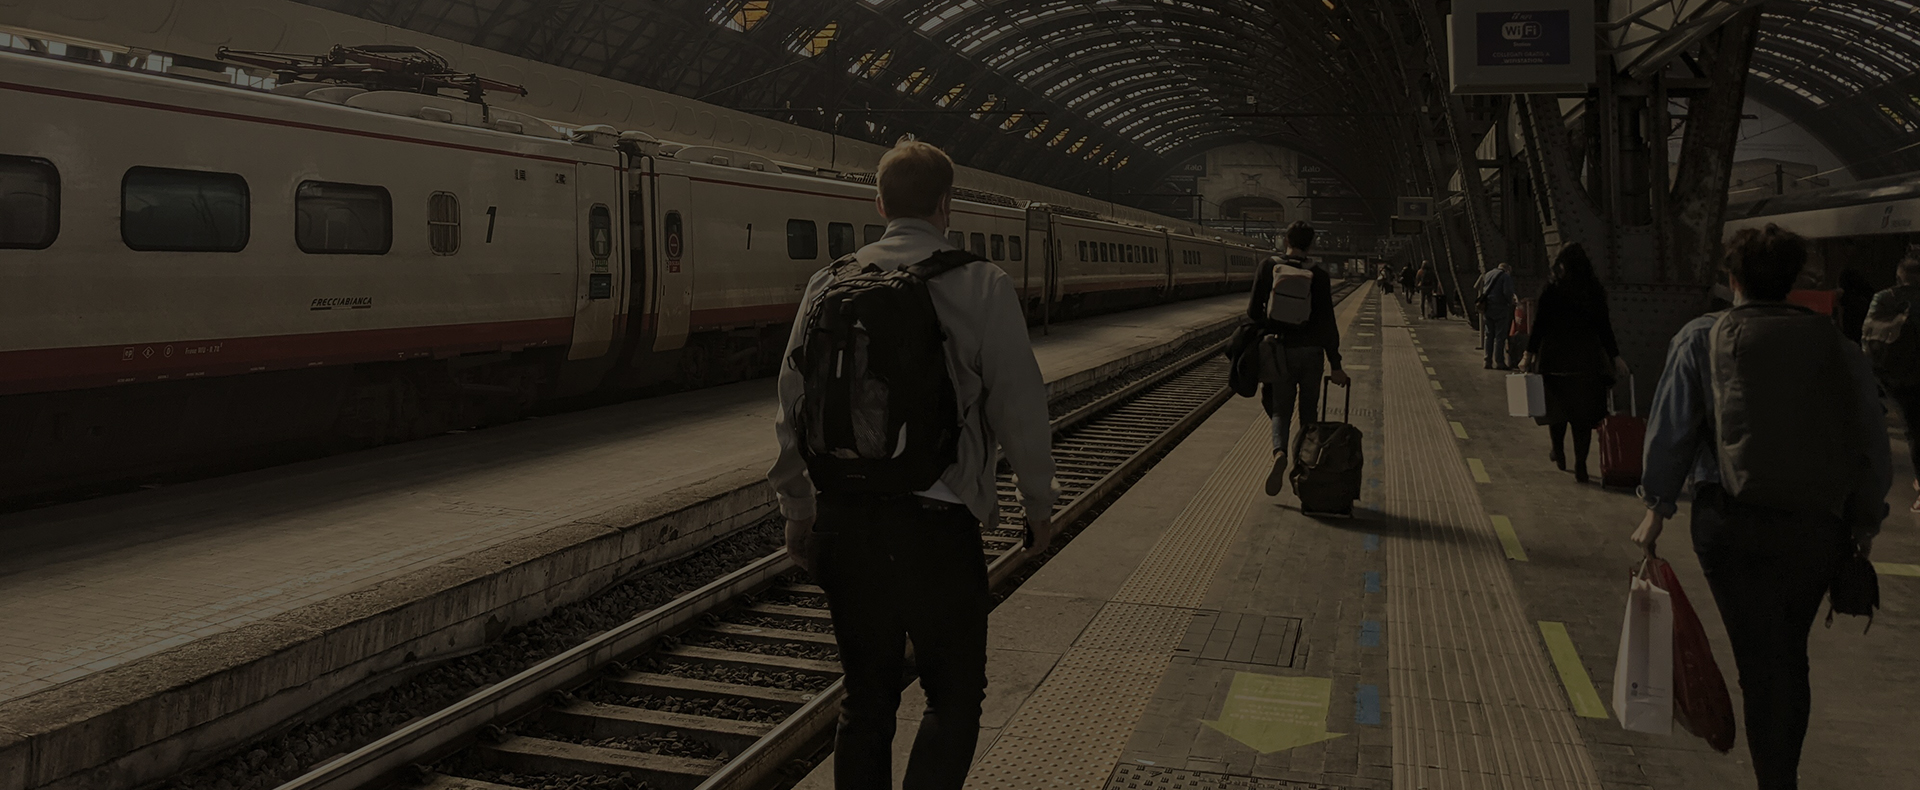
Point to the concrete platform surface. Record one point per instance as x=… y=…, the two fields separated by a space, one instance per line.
x=1458 y=632
x=121 y=599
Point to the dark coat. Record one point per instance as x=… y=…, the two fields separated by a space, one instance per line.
x=1572 y=331
x=1243 y=372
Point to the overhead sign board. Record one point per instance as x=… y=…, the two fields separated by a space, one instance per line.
x=1521 y=46
x=1414 y=207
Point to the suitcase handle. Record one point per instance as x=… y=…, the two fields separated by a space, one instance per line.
x=1633 y=404
x=1346 y=411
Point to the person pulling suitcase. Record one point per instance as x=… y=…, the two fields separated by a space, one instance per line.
x=1302 y=332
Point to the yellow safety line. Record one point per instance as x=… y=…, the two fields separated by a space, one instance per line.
x=1458 y=429
x=1436 y=383
x=1897 y=568
x=1509 y=539
x=1580 y=690
x=1447 y=402
x=1423 y=358
x=1356 y=367
x=1479 y=471
x=1431 y=371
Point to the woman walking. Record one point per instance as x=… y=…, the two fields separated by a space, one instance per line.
x=1573 y=347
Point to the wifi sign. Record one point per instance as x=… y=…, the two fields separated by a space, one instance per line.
x=1520 y=31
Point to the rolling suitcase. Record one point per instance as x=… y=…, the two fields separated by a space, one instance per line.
x=1622 y=437
x=1328 y=461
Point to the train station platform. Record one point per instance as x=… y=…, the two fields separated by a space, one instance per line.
x=1457 y=633
x=155 y=625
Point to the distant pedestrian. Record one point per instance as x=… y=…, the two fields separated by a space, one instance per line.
x=902 y=561
x=1385 y=279
x=1429 y=282
x=1409 y=278
x=1891 y=336
x=1573 y=347
x=1495 y=297
x=1784 y=441
x=1310 y=348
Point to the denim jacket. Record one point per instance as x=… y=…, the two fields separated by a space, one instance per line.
x=1680 y=444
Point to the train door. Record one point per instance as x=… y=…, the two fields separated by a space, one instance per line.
x=673 y=268
x=596 y=195
x=639 y=307
x=1039 y=250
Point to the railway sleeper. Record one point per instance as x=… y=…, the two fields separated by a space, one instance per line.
x=792 y=612
x=440 y=781
x=643 y=683
x=770 y=636
x=540 y=755
x=596 y=720
x=729 y=659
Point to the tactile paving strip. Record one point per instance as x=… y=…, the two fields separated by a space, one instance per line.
x=1475 y=704
x=1077 y=723
x=1147 y=777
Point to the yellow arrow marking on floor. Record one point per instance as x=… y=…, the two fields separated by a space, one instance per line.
x=1897 y=568
x=1479 y=471
x=1270 y=713
x=1360 y=348
x=1580 y=691
x=1357 y=367
x=1509 y=539
x=1458 y=429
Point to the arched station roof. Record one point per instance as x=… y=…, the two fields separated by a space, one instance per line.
x=1106 y=96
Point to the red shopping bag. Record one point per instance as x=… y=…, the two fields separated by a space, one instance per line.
x=1700 y=699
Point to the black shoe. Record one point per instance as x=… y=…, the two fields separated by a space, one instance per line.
x=1559 y=459
x=1277 y=479
x=1489 y=365
x=1580 y=473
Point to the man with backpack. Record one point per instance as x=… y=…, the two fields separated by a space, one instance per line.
x=908 y=362
x=1774 y=417
x=1895 y=349
x=1307 y=336
x=1495 y=299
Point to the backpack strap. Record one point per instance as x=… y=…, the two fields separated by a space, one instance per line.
x=940 y=263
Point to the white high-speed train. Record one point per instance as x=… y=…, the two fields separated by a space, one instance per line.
x=191 y=270
x=1864 y=227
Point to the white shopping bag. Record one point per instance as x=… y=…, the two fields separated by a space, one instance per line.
x=1526 y=395
x=1643 y=675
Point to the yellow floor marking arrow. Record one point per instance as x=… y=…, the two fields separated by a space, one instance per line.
x=1270 y=713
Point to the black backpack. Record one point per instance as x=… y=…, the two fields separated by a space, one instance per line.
x=877 y=413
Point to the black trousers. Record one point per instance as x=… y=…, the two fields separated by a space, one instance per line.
x=896 y=569
x=1907 y=400
x=1768 y=571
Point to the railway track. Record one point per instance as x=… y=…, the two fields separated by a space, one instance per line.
x=723 y=687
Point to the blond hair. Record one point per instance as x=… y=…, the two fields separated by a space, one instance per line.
x=913 y=177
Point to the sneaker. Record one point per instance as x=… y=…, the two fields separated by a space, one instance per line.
x=1277 y=479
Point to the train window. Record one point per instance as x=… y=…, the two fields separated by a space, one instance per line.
x=29 y=203
x=443 y=223
x=600 y=233
x=999 y=247
x=162 y=209
x=342 y=219
x=872 y=233
x=840 y=239
x=1013 y=247
x=803 y=240
x=1083 y=251
x=958 y=239
x=979 y=244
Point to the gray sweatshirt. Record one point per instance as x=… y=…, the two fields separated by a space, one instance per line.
x=996 y=381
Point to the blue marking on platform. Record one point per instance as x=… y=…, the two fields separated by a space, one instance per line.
x=1370 y=633
x=1373 y=543
x=1373 y=581
x=1377 y=460
x=1366 y=704
x=1373 y=482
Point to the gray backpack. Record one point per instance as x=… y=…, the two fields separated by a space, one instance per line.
x=1783 y=406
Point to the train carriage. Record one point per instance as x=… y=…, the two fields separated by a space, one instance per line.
x=191 y=270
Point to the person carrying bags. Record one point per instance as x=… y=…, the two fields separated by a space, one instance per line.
x=1784 y=441
x=1301 y=338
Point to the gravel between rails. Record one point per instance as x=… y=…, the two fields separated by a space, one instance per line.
x=281 y=757
x=473 y=770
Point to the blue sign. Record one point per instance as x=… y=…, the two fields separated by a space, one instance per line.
x=1524 y=38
